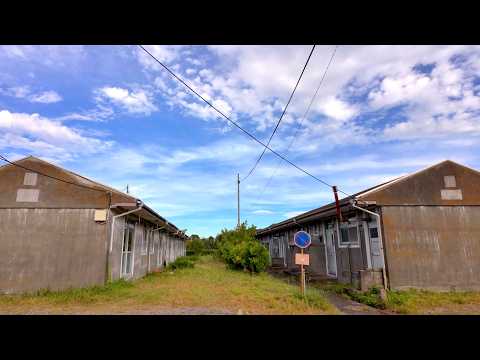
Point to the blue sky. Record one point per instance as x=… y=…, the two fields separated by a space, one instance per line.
x=112 y=114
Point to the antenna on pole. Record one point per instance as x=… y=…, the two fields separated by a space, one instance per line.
x=238 y=200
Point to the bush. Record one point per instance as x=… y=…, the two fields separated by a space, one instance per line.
x=240 y=250
x=181 y=263
x=195 y=246
x=193 y=257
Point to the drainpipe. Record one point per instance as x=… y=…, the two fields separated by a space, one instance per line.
x=120 y=215
x=353 y=202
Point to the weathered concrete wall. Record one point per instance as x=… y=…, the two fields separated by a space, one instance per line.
x=51 y=249
x=52 y=193
x=436 y=247
x=369 y=278
x=425 y=187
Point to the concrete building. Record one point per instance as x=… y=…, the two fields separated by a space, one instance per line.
x=75 y=233
x=418 y=231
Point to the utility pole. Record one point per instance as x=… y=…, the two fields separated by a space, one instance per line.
x=238 y=201
x=127 y=189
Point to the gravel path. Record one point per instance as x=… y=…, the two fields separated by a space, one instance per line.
x=350 y=307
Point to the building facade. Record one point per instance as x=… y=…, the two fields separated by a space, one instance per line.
x=60 y=230
x=418 y=231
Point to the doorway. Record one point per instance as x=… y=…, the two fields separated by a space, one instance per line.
x=330 y=250
x=127 y=251
x=375 y=245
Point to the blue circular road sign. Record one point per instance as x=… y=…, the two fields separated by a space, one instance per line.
x=302 y=239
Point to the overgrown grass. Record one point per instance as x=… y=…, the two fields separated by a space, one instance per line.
x=183 y=262
x=209 y=285
x=429 y=302
x=413 y=301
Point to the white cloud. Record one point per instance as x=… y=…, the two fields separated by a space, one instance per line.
x=45 y=137
x=58 y=56
x=254 y=82
x=46 y=97
x=164 y=53
x=439 y=105
x=262 y=212
x=16 y=91
x=337 y=109
x=291 y=214
x=99 y=113
x=24 y=92
x=139 y=101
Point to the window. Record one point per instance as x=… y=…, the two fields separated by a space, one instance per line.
x=373 y=232
x=30 y=179
x=450 y=181
x=127 y=250
x=27 y=195
x=349 y=236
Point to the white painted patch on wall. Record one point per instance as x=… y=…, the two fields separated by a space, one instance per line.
x=27 y=195
x=30 y=179
x=448 y=194
x=100 y=215
x=450 y=181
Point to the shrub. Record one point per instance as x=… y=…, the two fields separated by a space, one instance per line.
x=193 y=257
x=240 y=250
x=181 y=263
x=195 y=246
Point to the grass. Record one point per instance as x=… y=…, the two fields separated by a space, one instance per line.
x=208 y=285
x=429 y=302
x=413 y=301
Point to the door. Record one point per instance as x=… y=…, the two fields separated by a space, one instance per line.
x=275 y=247
x=330 y=250
x=127 y=251
x=375 y=245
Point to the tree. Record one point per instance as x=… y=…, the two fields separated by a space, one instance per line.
x=240 y=250
x=195 y=245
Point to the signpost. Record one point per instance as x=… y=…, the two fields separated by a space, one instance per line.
x=302 y=239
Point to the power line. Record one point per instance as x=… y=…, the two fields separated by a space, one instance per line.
x=235 y=123
x=50 y=176
x=281 y=116
x=304 y=117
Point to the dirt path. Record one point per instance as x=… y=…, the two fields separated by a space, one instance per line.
x=350 y=307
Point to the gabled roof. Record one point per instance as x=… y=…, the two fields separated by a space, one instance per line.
x=86 y=182
x=327 y=209
x=74 y=177
x=322 y=209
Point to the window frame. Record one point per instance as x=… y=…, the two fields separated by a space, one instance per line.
x=349 y=244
